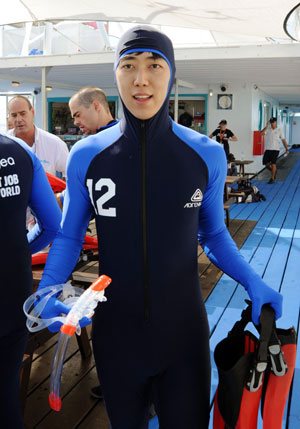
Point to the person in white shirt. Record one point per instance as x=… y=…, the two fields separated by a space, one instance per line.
x=273 y=135
x=50 y=149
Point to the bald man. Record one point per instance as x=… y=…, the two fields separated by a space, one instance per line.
x=90 y=110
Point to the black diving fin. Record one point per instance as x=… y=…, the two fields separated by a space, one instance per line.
x=253 y=370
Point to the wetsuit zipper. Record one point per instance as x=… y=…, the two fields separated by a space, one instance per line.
x=144 y=221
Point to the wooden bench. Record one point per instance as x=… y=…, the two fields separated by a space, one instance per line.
x=236 y=195
x=226 y=208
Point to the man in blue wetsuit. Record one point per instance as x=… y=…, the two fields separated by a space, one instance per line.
x=90 y=110
x=153 y=186
x=23 y=183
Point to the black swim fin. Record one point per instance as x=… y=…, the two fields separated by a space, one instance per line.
x=241 y=359
x=245 y=377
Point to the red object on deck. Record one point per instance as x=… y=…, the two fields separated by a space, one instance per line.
x=56 y=183
x=39 y=258
x=90 y=243
x=258 y=143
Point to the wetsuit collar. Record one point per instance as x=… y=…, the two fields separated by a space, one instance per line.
x=108 y=125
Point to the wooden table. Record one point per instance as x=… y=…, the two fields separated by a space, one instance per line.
x=241 y=165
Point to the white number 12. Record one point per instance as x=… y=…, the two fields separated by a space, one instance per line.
x=111 y=192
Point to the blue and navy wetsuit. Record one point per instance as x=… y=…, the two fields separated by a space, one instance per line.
x=110 y=124
x=23 y=183
x=155 y=188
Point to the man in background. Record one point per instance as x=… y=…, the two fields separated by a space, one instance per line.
x=90 y=110
x=273 y=135
x=223 y=135
x=50 y=149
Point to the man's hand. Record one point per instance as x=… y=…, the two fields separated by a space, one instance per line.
x=56 y=308
x=263 y=131
x=261 y=294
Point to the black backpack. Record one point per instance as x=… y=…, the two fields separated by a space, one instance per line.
x=251 y=193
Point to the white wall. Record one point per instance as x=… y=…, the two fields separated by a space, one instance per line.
x=237 y=118
x=295 y=130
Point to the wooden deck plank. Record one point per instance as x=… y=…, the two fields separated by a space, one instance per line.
x=74 y=367
x=284 y=166
x=275 y=245
x=208 y=272
x=74 y=404
x=96 y=418
x=254 y=211
x=243 y=210
x=291 y=302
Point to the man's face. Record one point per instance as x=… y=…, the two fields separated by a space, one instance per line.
x=21 y=116
x=86 y=118
x=223 y=127
x=143 y=83
x=274 y=125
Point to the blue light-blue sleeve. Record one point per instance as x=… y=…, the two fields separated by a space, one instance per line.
x=65 y=250
x=43 y=204
x=77 y=209
x=213 y=234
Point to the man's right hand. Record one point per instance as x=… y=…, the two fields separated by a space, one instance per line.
x=56 y=308
x=261 y=294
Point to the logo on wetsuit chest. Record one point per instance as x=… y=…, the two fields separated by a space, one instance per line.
x=196 y=200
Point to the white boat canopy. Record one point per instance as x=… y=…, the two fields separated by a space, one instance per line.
x=265 y=18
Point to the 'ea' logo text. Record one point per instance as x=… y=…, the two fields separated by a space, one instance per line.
x=5 y=162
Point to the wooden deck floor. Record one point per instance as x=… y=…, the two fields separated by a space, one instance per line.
x=268 y=234
x=273 y=249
